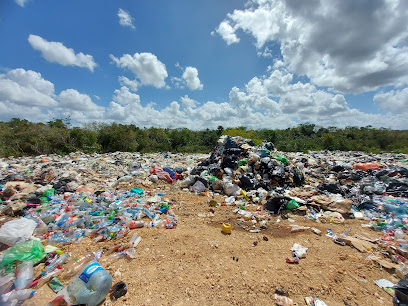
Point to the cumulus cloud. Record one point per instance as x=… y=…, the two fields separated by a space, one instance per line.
x=267 y=53
x=177 y=82
x=273 y=100
x=76 y=101
x=227 y=32
x=190 y=76
x=132 y=84
x=26 y=94
x=145 y=66
x=125 y=19
x=352 y=46
x=21 y=2
x=56 y=52
x=26 y=87
x=395 y=102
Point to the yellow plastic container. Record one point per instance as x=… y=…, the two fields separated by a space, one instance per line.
x=226 y=228
x=245 y=195
x=213 y=203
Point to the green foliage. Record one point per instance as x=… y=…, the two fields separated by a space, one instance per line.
x=21 y=137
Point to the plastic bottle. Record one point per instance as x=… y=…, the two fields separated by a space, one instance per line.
x=24 y=275
x=63 y=220
x=90 y=285
x=73 y=266
x=394 y=209
x=19 y=295
x=41 y=228
x=56 y=240
x=148 y=213
x=45 y=278
x=402 y=270
x=136 y=224
x=54 y=264
x=399 y=234
x=135 y=240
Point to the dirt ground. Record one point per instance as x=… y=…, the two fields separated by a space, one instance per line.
x=193 y=264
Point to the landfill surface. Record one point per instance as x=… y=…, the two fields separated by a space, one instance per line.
x=243 y=225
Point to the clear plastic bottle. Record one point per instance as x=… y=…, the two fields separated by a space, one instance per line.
x=136 y=224
x=399 y=234
x=45 y=278
x=54 y=264
x=19 y=295
x=73 y=266
x=135 y=240
x=24 y=275
x=90 y=285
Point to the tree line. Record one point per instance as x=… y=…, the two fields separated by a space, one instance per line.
x=22 y=137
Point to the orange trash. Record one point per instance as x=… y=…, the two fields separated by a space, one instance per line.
x=85 y=189
x=366 y=166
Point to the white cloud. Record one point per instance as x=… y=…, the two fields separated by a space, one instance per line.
x=124 y=97
x=74 y=100
x=352 y=46
x=26 y=94
x=132 y=84
x=190 y=76
x=270 y=101
x=177 y=82
x=267 y=53
x=395 y=102
x=227 y=32
x=56 y=52
x=187 y=102
x=21 y=2
x=26 y=88
x=145 y=66
x=125 y=19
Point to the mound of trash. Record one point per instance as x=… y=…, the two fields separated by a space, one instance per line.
x=47 y=202
x=341 y=182
x=237 y=164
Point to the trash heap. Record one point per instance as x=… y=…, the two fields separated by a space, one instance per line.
x=238 y=165
x=50 y=201
x=341 y=182
x=54 y=201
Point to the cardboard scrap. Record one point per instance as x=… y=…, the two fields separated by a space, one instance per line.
x=385 y=264
x=361 y=245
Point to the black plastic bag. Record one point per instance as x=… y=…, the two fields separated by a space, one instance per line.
x=276 y=204
x=401 y=292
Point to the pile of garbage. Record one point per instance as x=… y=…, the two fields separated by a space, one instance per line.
x=331 y=184
x=51 y=201
x=236 y=164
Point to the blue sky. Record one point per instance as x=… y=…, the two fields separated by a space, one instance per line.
x=201 y=64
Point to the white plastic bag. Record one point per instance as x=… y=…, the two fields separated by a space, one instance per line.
x=299 y=250
x=17 y=231
x=198 y=187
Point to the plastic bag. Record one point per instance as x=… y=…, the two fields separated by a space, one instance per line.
x=17 y=231
x=401 y=292
x=24 y=251
x=292 y=204
x=331 y=216
x=299 y=250
x=198 y=187
x=281 y=158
